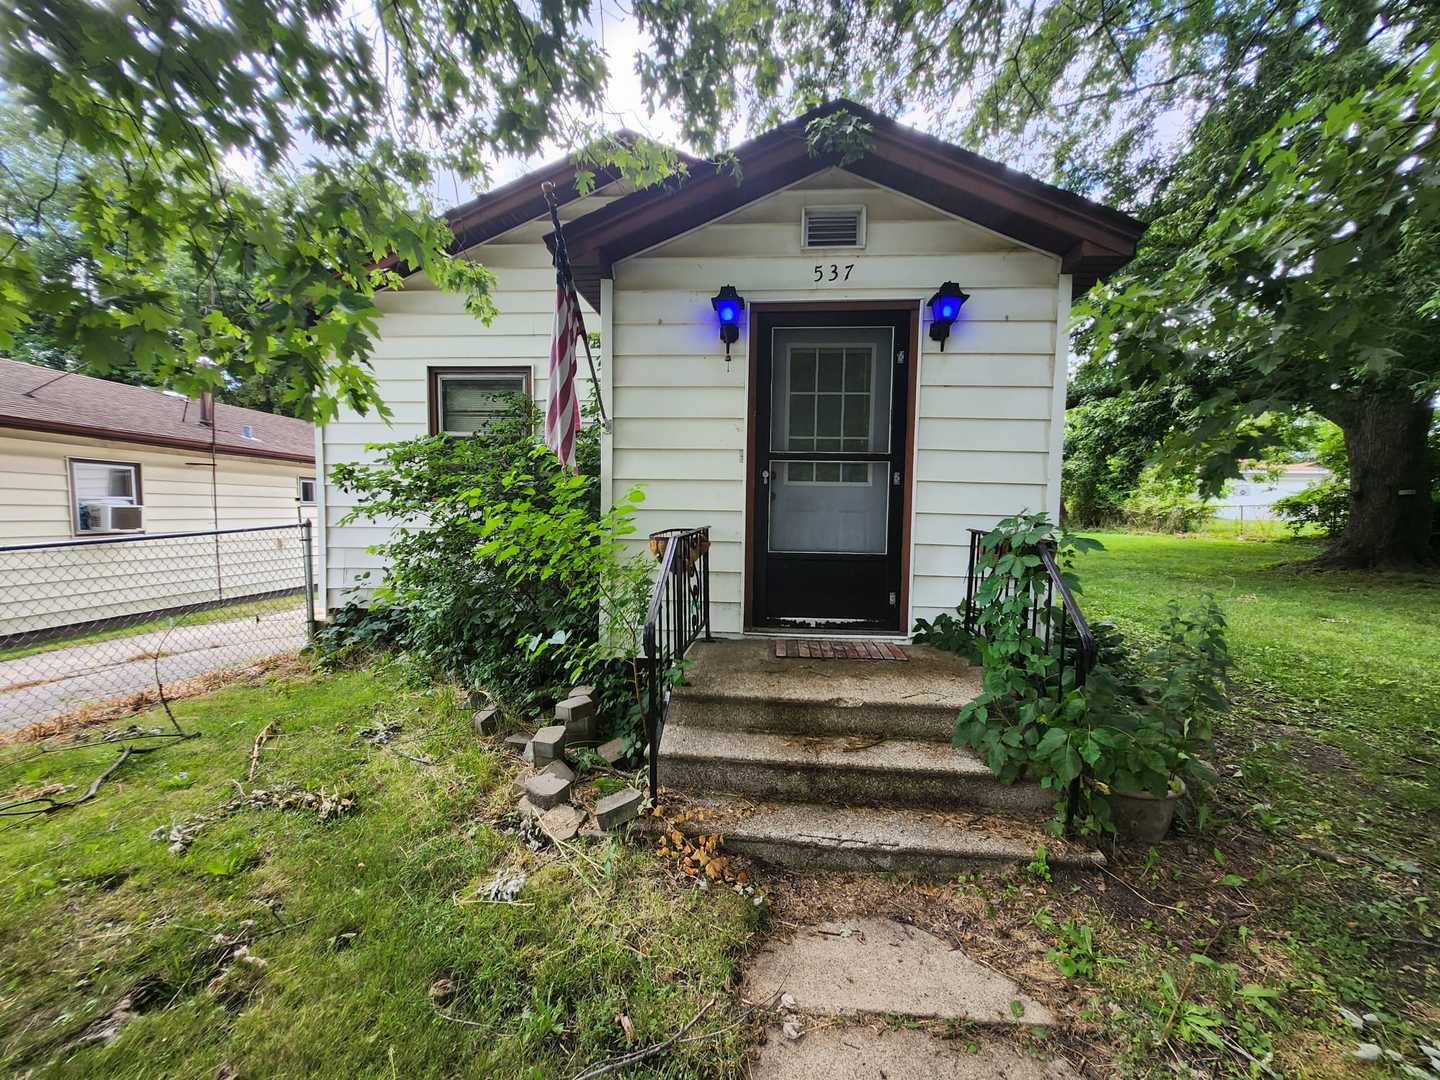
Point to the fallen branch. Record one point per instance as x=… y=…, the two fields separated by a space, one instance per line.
x=626 y=1060
x=43 y=804
x=266 y=733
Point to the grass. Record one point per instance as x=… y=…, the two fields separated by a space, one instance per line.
x=1349 y=659
x=354 y=918
x=1304 y=886
x=220 y=613
x=1309 y=875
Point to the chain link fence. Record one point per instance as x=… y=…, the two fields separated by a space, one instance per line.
x=86 y=624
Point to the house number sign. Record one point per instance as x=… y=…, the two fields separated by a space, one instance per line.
x=833 y=271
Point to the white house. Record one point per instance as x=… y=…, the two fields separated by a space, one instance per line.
x=94 y=475
x=1253 y=496
x=842 y=445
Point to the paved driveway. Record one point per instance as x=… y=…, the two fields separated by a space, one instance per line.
x=37 y=687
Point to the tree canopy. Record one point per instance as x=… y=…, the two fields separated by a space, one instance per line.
x=345 y=114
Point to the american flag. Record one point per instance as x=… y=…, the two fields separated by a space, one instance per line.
x=562 y=409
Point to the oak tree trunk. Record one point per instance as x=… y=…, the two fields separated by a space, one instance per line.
x=1390 y=506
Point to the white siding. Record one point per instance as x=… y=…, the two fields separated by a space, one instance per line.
x=985 y=440
x=423 y=328
x=178 y=496
x=988 y=407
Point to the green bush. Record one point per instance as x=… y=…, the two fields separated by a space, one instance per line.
x=501 y=564
x=1325 y=506
x=1136 y=725
x=1165 y=504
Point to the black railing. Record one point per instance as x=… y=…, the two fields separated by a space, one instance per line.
x=1053 y=616
x=679 y=615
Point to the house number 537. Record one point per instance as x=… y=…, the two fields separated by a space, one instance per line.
x=833 y=272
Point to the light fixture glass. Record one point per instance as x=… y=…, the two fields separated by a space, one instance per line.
x=945 y=308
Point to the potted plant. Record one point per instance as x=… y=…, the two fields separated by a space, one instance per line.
x=1155 y=727
x=659 y=541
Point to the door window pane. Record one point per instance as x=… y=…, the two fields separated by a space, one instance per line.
x=830 y=404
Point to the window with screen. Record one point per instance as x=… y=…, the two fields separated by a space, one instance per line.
x=467 y=401
x=306 y=490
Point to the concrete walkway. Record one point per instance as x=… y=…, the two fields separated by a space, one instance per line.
x=37 y=687
x=864 y=969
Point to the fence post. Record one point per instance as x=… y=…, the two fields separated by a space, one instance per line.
x=307 y=553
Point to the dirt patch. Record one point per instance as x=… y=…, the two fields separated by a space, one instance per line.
x=1313 y=754
x=284 y=665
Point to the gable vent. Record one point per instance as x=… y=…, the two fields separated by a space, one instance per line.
x=833 y=226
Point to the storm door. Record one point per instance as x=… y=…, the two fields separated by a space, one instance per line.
x=831 y=471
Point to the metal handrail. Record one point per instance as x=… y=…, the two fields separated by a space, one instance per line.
x=1077 y=650
x=1074 y=647
x=679 y=613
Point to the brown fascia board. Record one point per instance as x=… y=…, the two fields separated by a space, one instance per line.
x=511 y=205
x=1095 y=239
x=56 y=427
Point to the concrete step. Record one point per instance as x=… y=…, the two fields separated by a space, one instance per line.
x=805 y=836
x=741 y=686
x=838 y=771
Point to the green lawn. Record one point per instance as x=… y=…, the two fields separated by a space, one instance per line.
x=1311 y=873
x=1353 y=660
x=354 y=918
x=1304 y=887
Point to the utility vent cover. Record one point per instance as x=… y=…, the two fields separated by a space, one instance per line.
x=833 y=226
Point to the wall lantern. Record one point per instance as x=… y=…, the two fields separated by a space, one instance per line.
x=728 y=305
x=945 y=308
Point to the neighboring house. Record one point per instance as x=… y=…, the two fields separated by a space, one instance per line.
x=839 y=449
x=85 y=459
x=1253 y=496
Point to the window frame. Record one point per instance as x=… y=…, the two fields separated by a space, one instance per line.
x=136 y=471
x=300 y=482
x=435 y=375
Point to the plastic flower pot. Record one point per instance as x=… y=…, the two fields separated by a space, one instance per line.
x=1143 y=817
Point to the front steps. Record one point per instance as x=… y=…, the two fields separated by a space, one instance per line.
x=846 y=765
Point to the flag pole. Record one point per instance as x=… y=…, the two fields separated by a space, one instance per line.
x=562 y=264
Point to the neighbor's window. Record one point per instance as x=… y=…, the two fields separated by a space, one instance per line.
x=97 y=488
x=306 y=486
x=466 y=401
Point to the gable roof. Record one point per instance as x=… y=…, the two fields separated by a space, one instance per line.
x=42 y=399
x=506 y=207
x=1092 y=241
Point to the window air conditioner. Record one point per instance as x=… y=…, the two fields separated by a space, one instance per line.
x=107 y=517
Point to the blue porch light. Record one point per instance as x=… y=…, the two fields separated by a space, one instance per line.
x=945 y=308
x=728 y=305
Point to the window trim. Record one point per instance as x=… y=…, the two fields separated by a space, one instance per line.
x=300 y=490
x=435 y=374
x=70 y=463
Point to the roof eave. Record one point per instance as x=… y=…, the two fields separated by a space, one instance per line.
x=58 y=427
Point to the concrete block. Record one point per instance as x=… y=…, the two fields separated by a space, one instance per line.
x=612 y=751
x=486 y=720
x=560 y=769
x=614 y=810
x=545 y=791
x=517 y=743
x=578 y=716
x=562 y=822
x=548 y=744
x=583 y=691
